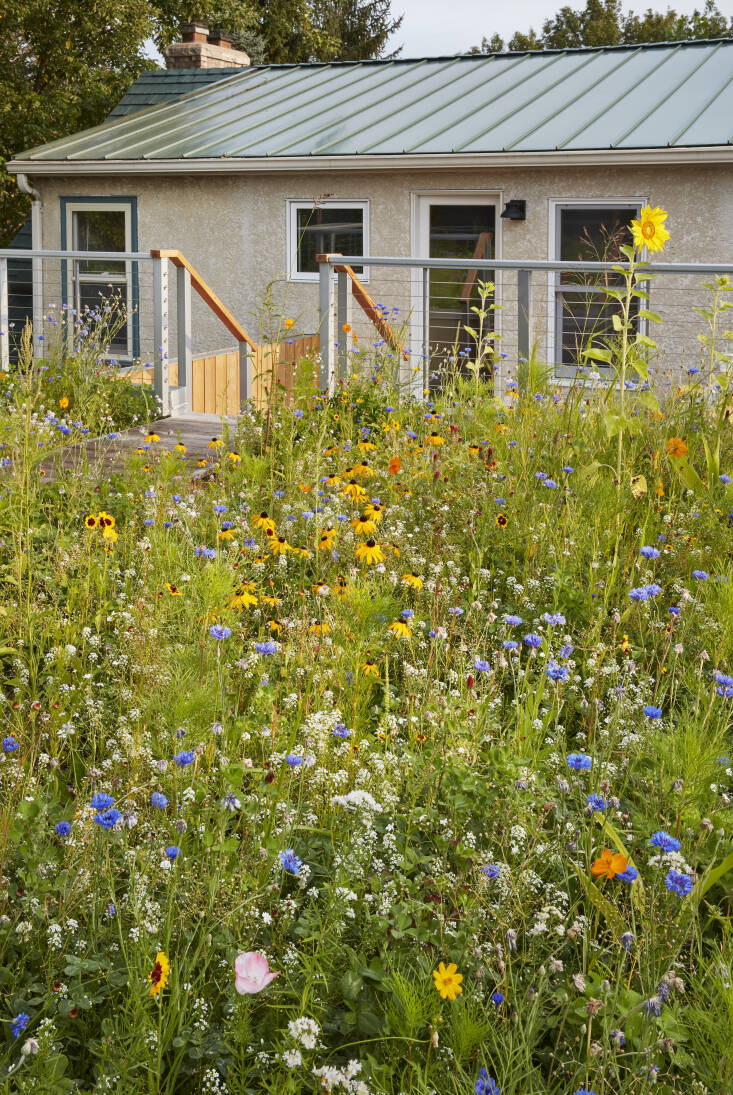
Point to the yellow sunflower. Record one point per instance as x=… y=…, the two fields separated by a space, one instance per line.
x=649 y=230
x=369 y=552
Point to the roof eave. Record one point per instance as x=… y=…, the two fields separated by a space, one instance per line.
x=401 y=161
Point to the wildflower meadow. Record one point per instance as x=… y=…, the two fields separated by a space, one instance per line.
x=387 y=752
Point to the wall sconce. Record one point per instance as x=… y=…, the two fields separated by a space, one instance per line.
x=515 y=210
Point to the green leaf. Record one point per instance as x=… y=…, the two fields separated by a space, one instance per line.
x=649 y=400
x=711 y=876
x=644 y=340
x=598 y=354
x=644 y=313
x=616 y=321
x=608 y=911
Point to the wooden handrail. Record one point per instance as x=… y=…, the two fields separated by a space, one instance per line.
x=368 y=306
x=208 y=295
x=481 y=244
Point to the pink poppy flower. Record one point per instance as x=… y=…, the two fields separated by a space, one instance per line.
x=252 y=972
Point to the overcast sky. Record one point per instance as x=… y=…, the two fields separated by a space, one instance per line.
x=435 y=27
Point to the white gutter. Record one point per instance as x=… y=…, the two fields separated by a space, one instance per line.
x=224 y=165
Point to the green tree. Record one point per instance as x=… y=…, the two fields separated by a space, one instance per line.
x=359 y=29
x=604 y=23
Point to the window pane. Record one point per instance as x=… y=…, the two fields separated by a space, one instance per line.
x=328 y=229
x=100 y=230
x=594 y=235
x=586 y=318
x=97 y=296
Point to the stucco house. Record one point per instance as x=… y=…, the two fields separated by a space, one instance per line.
x=251 y=171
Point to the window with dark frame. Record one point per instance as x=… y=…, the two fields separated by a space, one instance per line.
x=328 y=229
x=583 y=310
x=98 y=282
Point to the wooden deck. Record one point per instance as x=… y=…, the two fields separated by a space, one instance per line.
x=194 y=431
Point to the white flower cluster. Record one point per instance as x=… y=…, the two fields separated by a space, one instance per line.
x=305 y=1031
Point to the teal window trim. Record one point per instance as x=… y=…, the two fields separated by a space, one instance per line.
x=124 y=201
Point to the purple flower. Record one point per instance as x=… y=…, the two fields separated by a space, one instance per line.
x=497 y=998
x=491 y=870
x=557 y=672
x=184 y=758
x=63 y=828
x=172 y=852
x=549 y=483
x=19 y=1023
x=700 y=575
x=102 y=801
x=10 y=744
x=107 y=818
x=485 y=1084
x=159 y=800
x=481 y=666
x=533 y=641
x=294 y=760
x=512 y=621
x=266 y=648
x=340 y=731
x=554 y=619
x=219 y=632
x=566 y=650
x=597 y=804
x=510 y=644
x=629 y=875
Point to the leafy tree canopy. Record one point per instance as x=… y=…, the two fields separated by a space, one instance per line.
x=604 y=23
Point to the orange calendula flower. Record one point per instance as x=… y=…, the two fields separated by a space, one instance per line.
x=676 y=447
x=346 y=327
x=394 y=465
x=289 y=323
x=158 y=976
x=649 y=230
x=369 y=552
x=448 y=980
x=609 y=864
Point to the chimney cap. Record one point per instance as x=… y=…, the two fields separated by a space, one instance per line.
x=197 y=31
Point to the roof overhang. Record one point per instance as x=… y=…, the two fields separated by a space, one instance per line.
x=400 y=162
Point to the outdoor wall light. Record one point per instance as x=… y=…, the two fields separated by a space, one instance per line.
x=515 y=210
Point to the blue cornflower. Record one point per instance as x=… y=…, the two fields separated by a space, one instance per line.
x=497 y=998
x=584 y=1091
x=159 y=800
x=148 y=522
x=579 y=761
x=568 y=470
x=512 y=621
x=10 y=744
x=491 y=870
x=701 y=575
x=219 y=632
x=205 y=552
x=596 y=804
x=290 y=862
x=533 y=641
x=294 y=760
x=266 y=648
x=485 y=1084
x=108 y=818
x=566 y=650
x=455 y=611
x=407 y=613
x=557 y=672
x=725 y=690
x=649 y=552
x=510 y=644
x=678 y=883
x=177 y=498
x=540 y=475
x=725 y=479
x=102 y=801
x=664 y=841
x=652 y=712
x=19 y=1023
x=340 y=731
x=554 y=619
x=227 y=525
x=481 y=666
x=673 y=610
x=722 y=678
x=172 y=852
x=626 y=940
x=500 y=501
x=550 y=483
x=184 y=758
x=220 y=508
x=63 y=828
x=629 y=875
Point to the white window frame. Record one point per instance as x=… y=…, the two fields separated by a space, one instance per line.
x=74 y=278
x=556 y=205
x=294 y=205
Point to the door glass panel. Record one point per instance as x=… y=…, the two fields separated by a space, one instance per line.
x=326 y=229
x=464 y=232
x=100 y=230
x=98 y=296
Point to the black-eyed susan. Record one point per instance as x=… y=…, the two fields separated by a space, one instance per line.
x=400 y=628
x=375 y=511
x=302 y=553
x=354 y=491
x=275 y=627
x=369 y=552
x=173 y=590
x=393 y=548
x=158 y=976
x=331 y=450
x=201 y=463
x=340 y=587
x=501 y=520
x=363 y=470
x=327 y=539
x=649 y=231
x=366 y=446
x=215 y=443
x=369 y=668
x=448 y=980
x=319 y=629
x=434 y=440
x=264 y=521
x=179 y=448
x=226 y=534
x=278 y=545
x=363 y=525
x=151 y=438
x=268 y=599
x=474 y=450
x=234 y=459
x=625 y=645
x=242 y=598
x=414 y=581
x=332 y=481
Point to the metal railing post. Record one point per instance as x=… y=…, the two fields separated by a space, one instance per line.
x=183 y=332
x=160 y=327
x=4 y=317
x=245 y=374
x=524 y=303
x=37 y=280
x=325 y=324
x=343 y=319
x=425 y=331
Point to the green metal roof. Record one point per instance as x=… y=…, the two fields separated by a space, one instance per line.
x=651 y=96
x=160 y=85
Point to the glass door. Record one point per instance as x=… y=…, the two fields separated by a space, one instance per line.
x=461 y=231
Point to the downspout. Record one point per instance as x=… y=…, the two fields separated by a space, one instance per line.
x=36 y=264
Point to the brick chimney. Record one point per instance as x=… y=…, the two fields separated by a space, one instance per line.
x=199 y=49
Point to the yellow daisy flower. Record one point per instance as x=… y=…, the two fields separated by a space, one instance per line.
x=354 y=491
x=279 y=545
x=369 y=552
x=400 y=629
x=448 y=980
x=264 y=521
x=363 y=525
x=414 y=581
x=369 y=668
x=158 y=976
